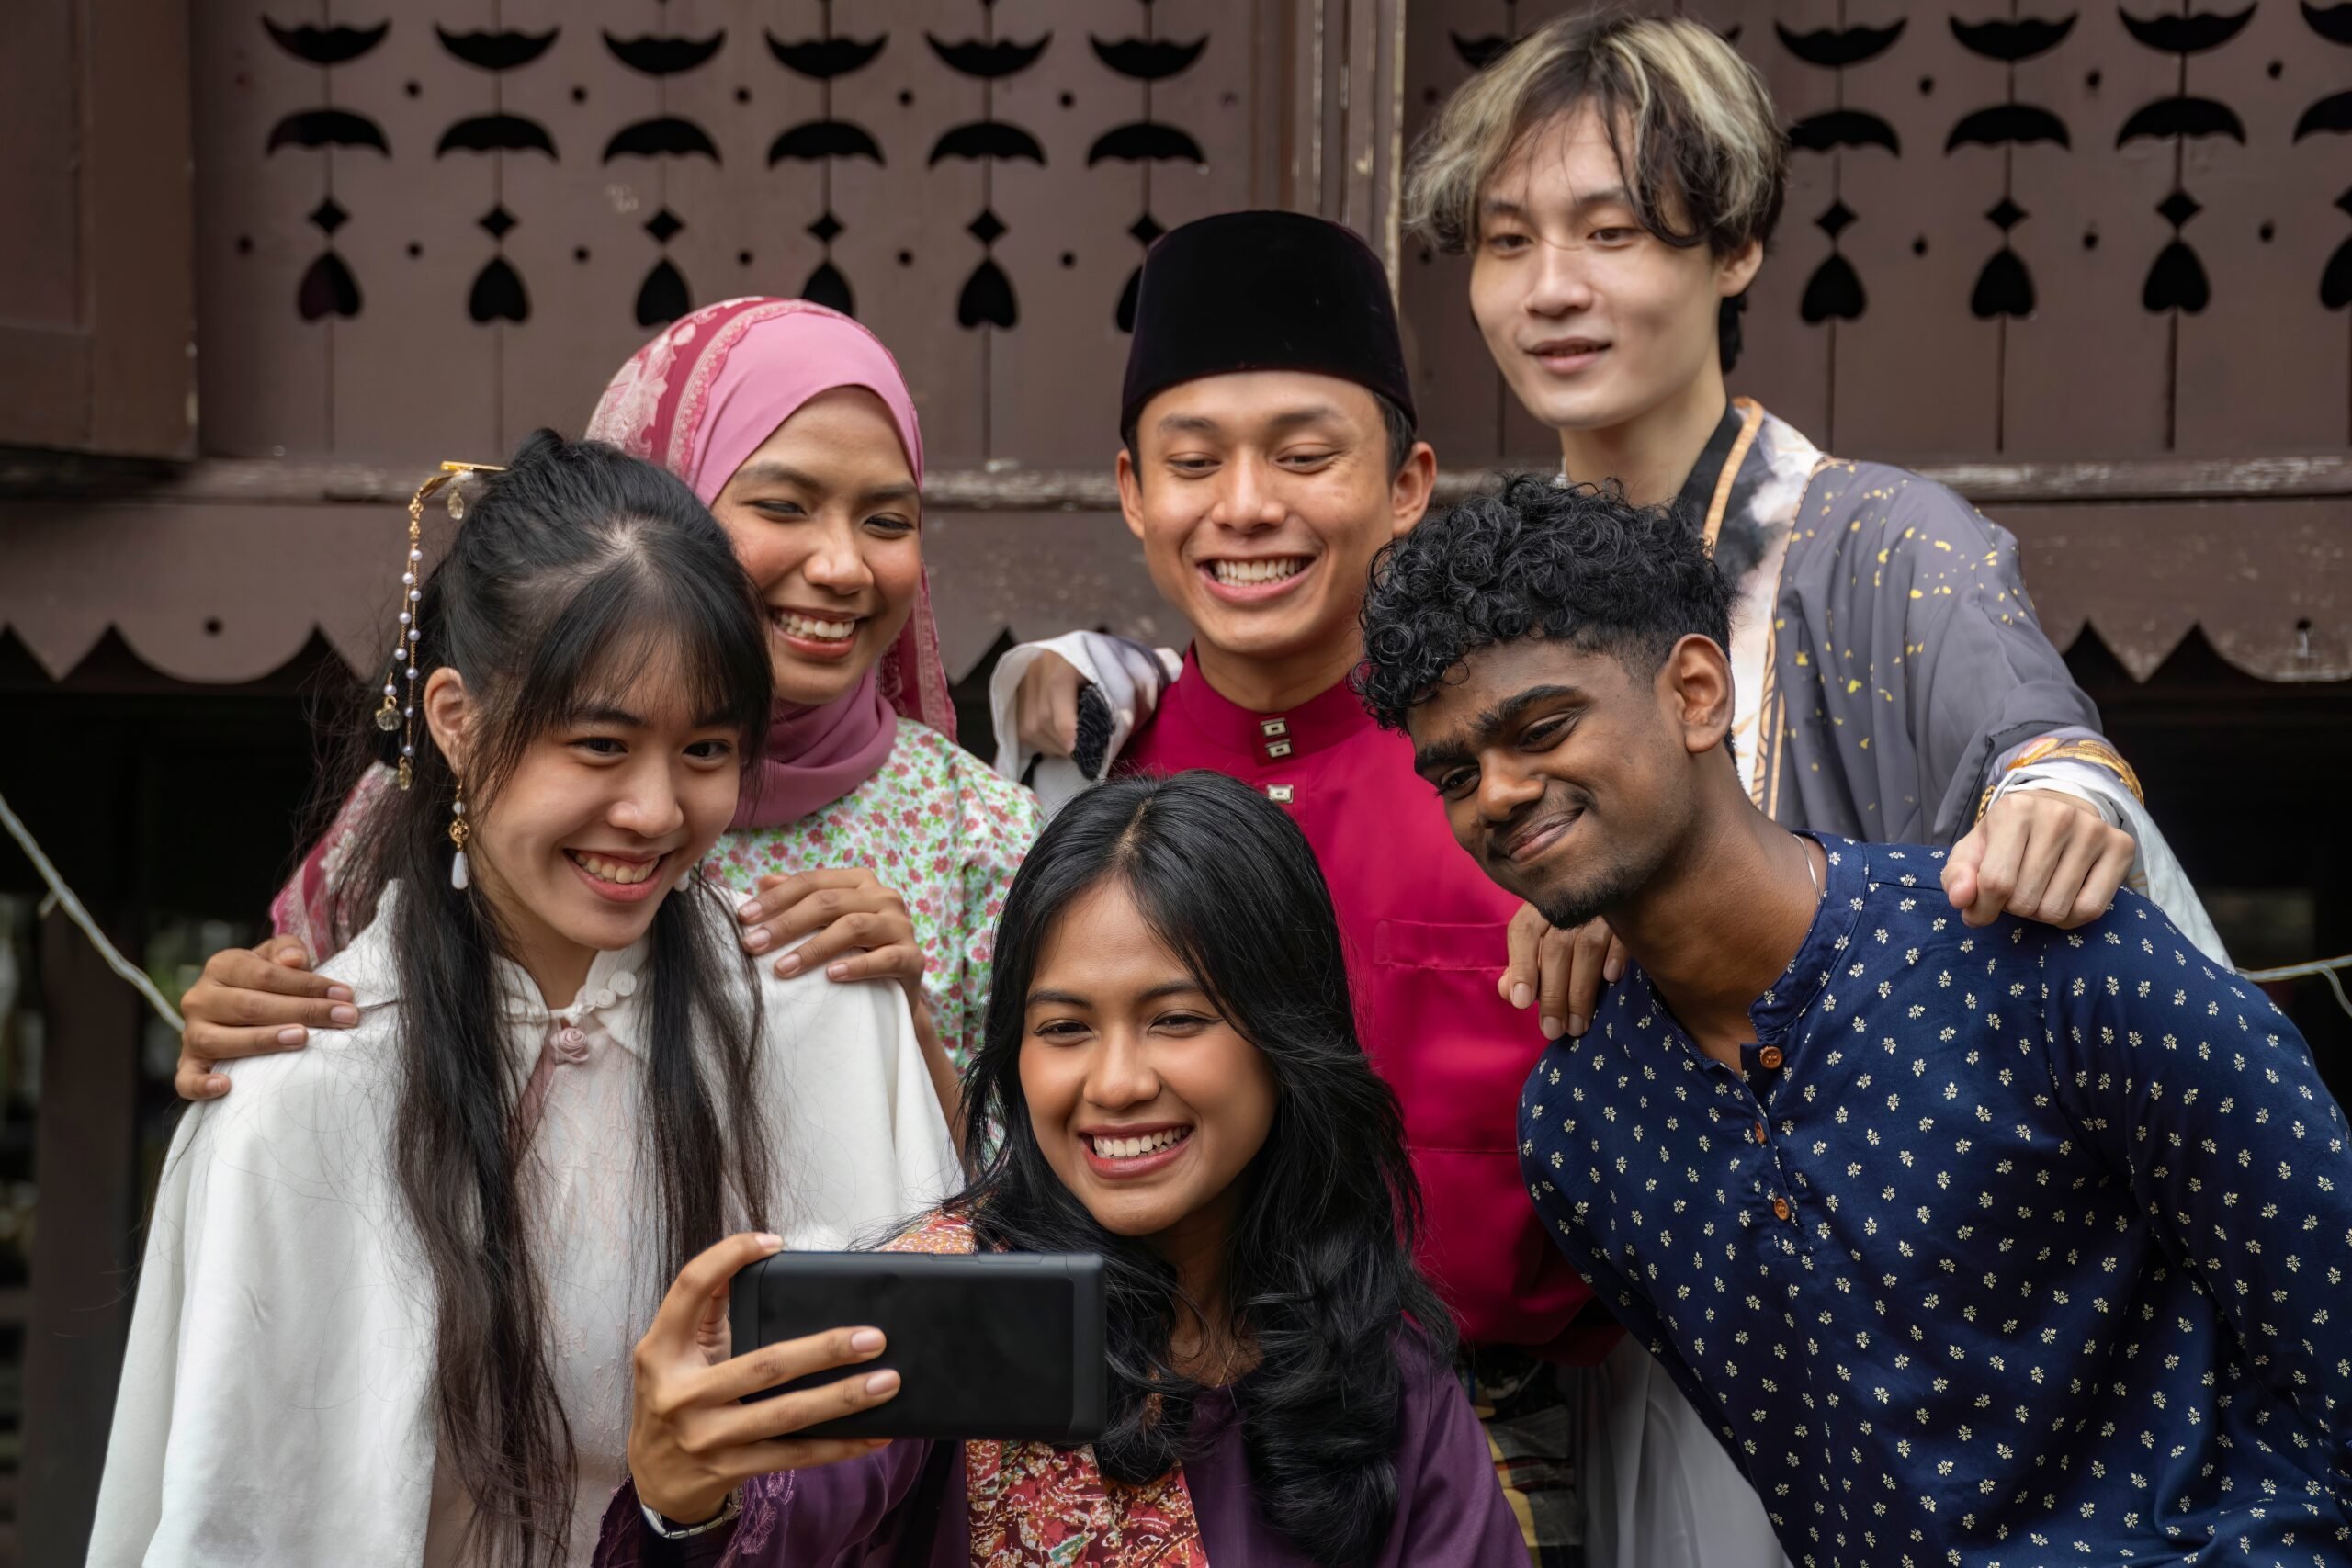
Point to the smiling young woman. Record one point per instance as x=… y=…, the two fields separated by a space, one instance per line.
x=878 y=846
x=1172 y=1071
x=391 y=1282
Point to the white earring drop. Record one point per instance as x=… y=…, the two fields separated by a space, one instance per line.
x=458 y=835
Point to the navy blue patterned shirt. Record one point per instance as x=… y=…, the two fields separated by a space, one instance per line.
x=2009 y=1247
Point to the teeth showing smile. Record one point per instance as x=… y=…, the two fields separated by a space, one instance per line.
x=793 y=624
x=614 y=871
x=1239 y=573
x=1132 y=1148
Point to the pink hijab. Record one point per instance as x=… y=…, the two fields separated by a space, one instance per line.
x=699 y=400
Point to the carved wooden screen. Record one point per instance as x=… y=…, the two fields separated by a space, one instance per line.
x=427 y=228
x=2039 y=228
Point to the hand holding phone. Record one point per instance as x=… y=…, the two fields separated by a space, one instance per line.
x=1003 y=1346
x=692 y=1439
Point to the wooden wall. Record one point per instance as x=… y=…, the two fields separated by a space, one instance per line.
x=423 y=231
x=2167 y=189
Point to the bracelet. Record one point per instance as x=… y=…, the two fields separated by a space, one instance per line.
x=662 y=1527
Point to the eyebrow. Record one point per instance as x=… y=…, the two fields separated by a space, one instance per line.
x=1289 y=419
x=1502 y=207
x=771 y=472
x=1165 y=988
x=1447 y=753
x=605 y=713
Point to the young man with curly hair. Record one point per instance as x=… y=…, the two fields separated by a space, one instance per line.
x=1973 y=1244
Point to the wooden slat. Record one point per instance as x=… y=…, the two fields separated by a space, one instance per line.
x=1918 y=372
x=262 y=372
x=26 y=475
x=2263 y=368
x=1053 y=380
x=2090 y=374
x=578 y=244
x=413 y=370
x=912 y=208
x=1458 y=393
x=86 y=1249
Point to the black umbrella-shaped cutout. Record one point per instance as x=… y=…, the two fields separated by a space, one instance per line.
x=987 y=298
x=663 y=297
x=327 y=289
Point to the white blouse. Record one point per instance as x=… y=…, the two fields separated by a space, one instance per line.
x=275 y=1401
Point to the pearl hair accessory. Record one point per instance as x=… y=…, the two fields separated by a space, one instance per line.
x=396 y=713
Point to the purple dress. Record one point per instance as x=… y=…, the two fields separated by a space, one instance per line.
x=1449 y=1510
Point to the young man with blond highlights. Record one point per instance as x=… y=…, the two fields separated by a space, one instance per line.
x=1615 y=181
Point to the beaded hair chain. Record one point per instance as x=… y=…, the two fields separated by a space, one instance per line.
x=394 y=713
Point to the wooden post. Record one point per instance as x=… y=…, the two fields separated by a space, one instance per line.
x=1346 y=125
x=85 y=1250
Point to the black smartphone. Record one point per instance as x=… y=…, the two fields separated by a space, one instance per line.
x=1003 y=1346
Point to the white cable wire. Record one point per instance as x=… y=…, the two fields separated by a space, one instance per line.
x=81 y=917
x=2324 y=969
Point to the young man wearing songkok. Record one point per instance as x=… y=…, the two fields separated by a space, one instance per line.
x=1999 y=1244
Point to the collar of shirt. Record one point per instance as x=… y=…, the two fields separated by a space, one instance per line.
x=1774 y=1015
x=611 y=992
x=1331 y=717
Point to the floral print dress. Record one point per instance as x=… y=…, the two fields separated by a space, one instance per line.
x=939 y=829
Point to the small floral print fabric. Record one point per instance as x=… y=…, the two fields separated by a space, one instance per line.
x=939 y=829
x=2008 y=1247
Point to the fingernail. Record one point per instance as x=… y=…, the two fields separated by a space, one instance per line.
x=866 y=1341
x=292 y=1035
x=1520 y=996
x=837 y=970
x=216 y=1084
x=340 y=994
x=788 y=964
x=346 y=1016
x=1575 y=1023
x=769 y=1239
x=748 y=912
x=882 y=1383
x=1613 y=971
x=1550 y=1029
x=757 y=939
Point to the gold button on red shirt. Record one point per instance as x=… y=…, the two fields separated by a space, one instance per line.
x=1770 y=1058
x=1780 y=1208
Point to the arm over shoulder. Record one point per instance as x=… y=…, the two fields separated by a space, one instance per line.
x=1980 y=677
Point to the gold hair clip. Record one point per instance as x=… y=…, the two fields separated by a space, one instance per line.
x=393 y=715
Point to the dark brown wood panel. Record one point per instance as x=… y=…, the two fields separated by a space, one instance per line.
x=411 y=372
x=2088 y=374
x=263 y=369
x=97 y=286
x=579 y=248
x=2260 y=369
x=1917 y=369
x=86 y=1247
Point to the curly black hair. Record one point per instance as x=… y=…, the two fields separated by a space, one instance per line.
x=1534 y=557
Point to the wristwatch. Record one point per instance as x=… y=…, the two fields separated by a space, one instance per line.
x=662 y=1527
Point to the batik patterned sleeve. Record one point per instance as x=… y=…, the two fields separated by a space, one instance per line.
x=2190 y=1081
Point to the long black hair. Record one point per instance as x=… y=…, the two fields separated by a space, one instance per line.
x=1319 y=1274
x=574 y=572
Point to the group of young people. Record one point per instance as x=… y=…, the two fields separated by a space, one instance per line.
x=1679 y=1041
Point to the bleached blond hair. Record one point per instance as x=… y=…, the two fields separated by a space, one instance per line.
x=1690 y=122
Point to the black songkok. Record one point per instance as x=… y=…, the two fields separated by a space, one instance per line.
x=1262 y=291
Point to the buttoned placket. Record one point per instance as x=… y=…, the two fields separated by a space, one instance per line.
x=566 y=1044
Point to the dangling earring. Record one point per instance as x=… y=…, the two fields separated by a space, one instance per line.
x=458 y=832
